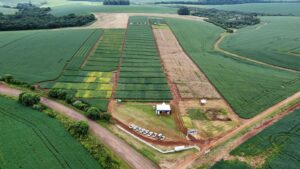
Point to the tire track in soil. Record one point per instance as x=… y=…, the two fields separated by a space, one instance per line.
x=44 y=139
x=116 y=74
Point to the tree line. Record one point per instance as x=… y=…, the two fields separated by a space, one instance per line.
x=30 y=16
x=116 y=2
x=225 y=19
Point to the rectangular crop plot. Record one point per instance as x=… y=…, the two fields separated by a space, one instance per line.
x=141 y=74
x=106 y=57
x=86 y=84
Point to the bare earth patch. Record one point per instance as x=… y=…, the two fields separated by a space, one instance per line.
x=190 y=81
x=110 y=20
x=120 y=20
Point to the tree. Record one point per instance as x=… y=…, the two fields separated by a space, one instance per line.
x=28 y=99
x=57 y=93
x=7 y=78
x=106 y=117
x=93 y=113
x=183 y=11
x=79 y=129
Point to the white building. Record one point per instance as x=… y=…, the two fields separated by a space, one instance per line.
x=163 y=108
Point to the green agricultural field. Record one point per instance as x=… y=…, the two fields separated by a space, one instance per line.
x=275 y=41
x=249 y=88
x=279 y=143
x=231 y=164
x=106 y=57
x=90 y=72
x=269 y=8
x=80 y=56
x=141 y=65
x=31 y=139
x=35 y=56
x=89 y=8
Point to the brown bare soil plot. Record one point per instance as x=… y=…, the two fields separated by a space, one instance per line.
x=110 y=20
x=190 y=81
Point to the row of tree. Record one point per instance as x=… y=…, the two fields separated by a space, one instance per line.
x=32 y=17
x=116 y=2
x=89 y=111
x=224 y=19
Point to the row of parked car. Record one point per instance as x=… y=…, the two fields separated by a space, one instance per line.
x=146 y=132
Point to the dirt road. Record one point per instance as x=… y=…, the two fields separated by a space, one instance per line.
x=122 y=149
x=218 y=48
x=251 y=122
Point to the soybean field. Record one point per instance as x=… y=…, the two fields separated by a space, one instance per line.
x=249 y=88
x=34 y=56
x=89 y=75
x=275 y=41
x=279 y=143
x=141 y=73
x=31 y=139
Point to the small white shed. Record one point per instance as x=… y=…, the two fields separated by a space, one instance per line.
x=163 y=108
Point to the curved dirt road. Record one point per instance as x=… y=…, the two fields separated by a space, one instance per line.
x=122 y=149
x=218 y=48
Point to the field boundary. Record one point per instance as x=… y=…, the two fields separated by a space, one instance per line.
x=116 y=73
x=217 y=47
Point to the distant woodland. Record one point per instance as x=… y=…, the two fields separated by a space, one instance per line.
x=116 y=2
x=30 y=16
x=227 y=19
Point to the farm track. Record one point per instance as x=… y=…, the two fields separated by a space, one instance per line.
x=122 y=149
x=117 y=73
x=218 y=48
x=264 y=120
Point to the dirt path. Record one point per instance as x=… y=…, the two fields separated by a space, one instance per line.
x=122 y=149
x=218 y=48
x=259 y=118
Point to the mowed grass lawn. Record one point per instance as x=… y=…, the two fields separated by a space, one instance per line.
x=275 y=41
x=31 y=139
x=143 y=115
x=249 y=88
x=35 y=56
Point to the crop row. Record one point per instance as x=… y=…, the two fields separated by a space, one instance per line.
x=83 y=51
x=141 y=74
x=106 y=57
